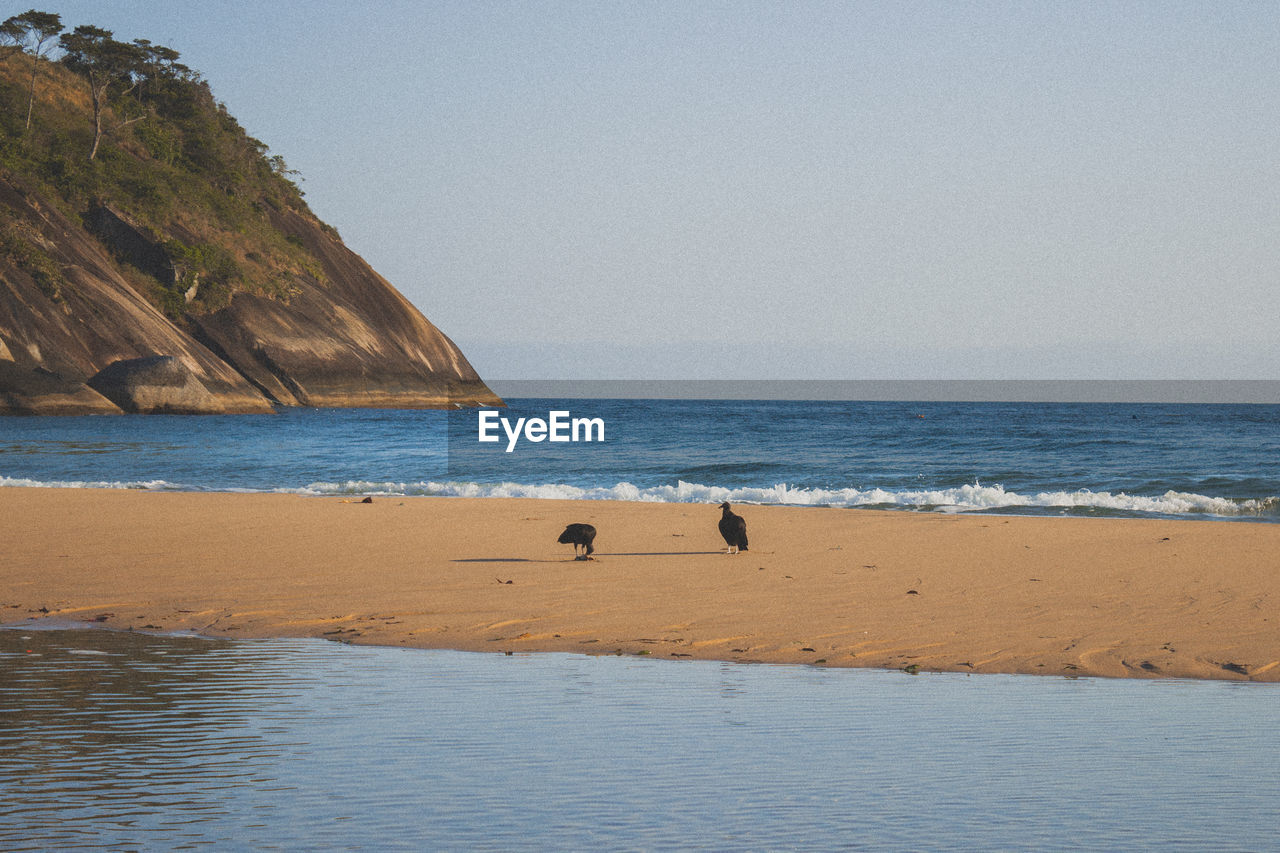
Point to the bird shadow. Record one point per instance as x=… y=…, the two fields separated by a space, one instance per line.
x=598 y=554
x=654 y=553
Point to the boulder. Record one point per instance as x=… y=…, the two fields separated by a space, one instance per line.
x=26 y=390
x=157 y=384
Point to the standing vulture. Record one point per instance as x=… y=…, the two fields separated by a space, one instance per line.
x=734 y=530
x=579 y=534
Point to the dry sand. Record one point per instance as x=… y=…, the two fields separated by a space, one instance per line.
x=967 y=593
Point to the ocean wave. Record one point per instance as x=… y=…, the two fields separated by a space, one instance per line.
x=143 y=485
x=973 y=497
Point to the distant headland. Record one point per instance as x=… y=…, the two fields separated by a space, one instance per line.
x=154 y=257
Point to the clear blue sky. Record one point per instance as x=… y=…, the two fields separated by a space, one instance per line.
x=781 y=189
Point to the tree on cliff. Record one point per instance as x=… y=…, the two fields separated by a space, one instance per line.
x=104 y=62
x=10 y=39
x=31 y=32
x=158 y=75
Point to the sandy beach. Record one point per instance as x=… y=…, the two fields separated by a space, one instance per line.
x=831 y=587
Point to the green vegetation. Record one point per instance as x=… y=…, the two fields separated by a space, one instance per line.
x=31 y=32
x=87 y=121
x=23 y=247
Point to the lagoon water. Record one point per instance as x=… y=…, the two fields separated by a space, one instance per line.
x=126 y=741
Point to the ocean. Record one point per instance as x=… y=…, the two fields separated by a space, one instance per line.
x=1204 y=461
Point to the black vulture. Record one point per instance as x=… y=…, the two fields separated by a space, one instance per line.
x=579 y=534
x=734 y=530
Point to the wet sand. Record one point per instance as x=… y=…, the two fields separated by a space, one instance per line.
x=832 y=587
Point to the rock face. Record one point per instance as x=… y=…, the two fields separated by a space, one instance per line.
x=60 y=329
x=137 y=247
x=355 y=341
x=76 y=336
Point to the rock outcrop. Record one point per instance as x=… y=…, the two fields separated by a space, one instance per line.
x=77 y=335
x=34 y=390
x=157 y=384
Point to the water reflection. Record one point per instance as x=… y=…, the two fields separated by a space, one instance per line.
x=114 y=740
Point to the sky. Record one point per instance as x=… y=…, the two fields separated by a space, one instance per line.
x=781 y=190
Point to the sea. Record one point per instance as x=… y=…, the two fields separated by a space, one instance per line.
x=1202 y=461
x=132 y=741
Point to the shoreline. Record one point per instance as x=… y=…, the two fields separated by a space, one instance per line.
x=967 y=592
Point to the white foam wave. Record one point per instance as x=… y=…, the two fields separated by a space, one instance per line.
x=967 y=498
x=147 y=485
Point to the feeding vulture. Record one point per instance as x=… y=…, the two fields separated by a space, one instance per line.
x=734 y=530
x=579 y=534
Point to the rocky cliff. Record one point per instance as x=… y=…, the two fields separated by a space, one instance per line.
x=180 y=271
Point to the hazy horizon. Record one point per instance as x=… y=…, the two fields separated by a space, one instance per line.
x=998 y=390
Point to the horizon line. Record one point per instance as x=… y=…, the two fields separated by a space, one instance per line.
x=1197 y=391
